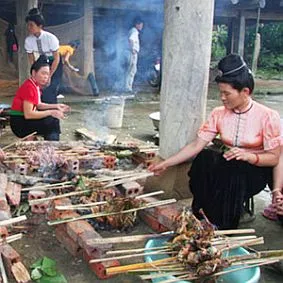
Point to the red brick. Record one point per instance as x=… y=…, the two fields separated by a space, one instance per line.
x=73 y=165
x=131 y=189
x=71 y=246
x=36 y=194
x=3 y=232
x=55 y=214
x=76 y=228
x=39 y=208
x=13 y=193
x=10 y=256
x=100 y=268
x=85 y=241
x=4 y=205
x=152 y=222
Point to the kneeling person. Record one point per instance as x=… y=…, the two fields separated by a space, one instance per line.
x=29 y=114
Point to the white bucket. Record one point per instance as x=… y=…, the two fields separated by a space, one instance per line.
x=114 y=112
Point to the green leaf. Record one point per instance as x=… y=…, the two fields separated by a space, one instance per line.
x=59 y=278
x=36 y=274
x=37 y=264
x=49 y=266
x=81 y=183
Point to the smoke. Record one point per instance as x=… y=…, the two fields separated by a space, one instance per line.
x=111 y=28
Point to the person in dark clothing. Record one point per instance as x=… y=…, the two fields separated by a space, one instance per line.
x=29 y=114
x=11 y=41
x=222 y=181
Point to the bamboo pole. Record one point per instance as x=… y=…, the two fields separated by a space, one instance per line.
x=13 y=220
x=164 y=251
x=22 y=139
x=102 y=214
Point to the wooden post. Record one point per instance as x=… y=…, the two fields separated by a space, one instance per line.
x=230 y=39
x=22 y=8
x=256 y=44
x=88 y=64
x=186 y=59
x=242 y=30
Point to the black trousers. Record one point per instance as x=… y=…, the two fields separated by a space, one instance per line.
x=221 y=187
x=49 y=94
x=47 y=127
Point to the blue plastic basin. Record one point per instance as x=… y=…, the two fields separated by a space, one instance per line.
x=250 y=275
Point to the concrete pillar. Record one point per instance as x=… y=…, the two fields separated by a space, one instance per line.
x=186 y=59
x=22 y=8
x=88 y=64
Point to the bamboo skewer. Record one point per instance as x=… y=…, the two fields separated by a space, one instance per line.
x=134 y=250
x=22 y=139
x=164 y=251
x=37 y=201
x=126 y=268
x=234 y=231
x=122 y=176
x=11 y=238
x=122 y=181
x=151 y=205
x=47 y=188
x=13 y=220
x=3 y=271
x=150 y=194
x=92 y=204
x=251 y=242
x=190 y=278
x=42 y=187
x=80 y=206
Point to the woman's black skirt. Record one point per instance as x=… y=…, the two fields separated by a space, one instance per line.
x=221 y=187
x=45 y=127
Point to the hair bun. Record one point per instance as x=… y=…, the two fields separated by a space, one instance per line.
x=34 y=12
x=232 y=65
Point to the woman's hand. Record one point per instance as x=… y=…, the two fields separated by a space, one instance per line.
x=158 y=168
x=239 y=154
x=63 y=107
x=2 y=154
x=57 y=114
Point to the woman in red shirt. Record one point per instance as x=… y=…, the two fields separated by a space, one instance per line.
x=29 y=114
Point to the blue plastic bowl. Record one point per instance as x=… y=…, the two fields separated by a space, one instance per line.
x=250 y=275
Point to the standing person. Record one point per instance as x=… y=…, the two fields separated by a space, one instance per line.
x=38 y=43
x=29 y=114
x=11 y=41
x=134 y=49
x=65 y=52
x=222 y=182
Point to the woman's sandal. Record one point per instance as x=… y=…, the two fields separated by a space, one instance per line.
x=270 y=212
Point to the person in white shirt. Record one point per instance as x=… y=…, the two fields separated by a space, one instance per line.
x=134 y=49
x=42 y=43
